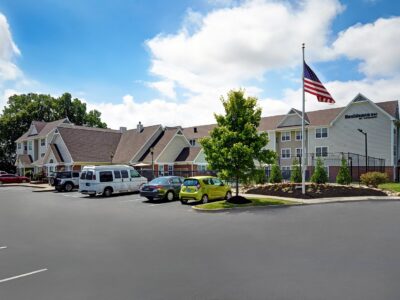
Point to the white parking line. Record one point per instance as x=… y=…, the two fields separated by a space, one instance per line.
x=22 y=275
x=3 y=247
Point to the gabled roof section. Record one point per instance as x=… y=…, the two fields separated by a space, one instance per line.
x=188 y=154
x=293 y=118
x=391 y=110
x=42 y=128
x=197 y=132
x=56 y=153
x=24 y=159
x=132 y=141
x=161 y=143
x=86 y=144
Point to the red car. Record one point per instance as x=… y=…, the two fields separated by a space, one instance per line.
x=11 y=178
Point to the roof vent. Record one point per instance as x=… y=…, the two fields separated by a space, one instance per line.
x=139 y=127
x=195 y=129
x=122 y=129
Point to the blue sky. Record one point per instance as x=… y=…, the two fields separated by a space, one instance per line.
x=158 y=61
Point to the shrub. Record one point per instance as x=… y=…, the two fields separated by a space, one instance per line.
x=319 y=176
x=276 y=174
x=343 y=176
x=374 y=178
x=295 y=175
x=259 y=176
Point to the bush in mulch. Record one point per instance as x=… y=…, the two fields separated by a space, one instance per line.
x=313 y=190
x=238 y=200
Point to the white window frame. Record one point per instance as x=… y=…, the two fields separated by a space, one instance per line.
x=161 y=170
x=285 y=168
x=327 y=151
x=192 y=142
x=321 y=137
x=300 y=134
x=19 y=146
x=44 y=142
x=170 y=170
x=290 y=153
x=301 y=150
x=283 y=134
x=30 y=145
x=201 y=167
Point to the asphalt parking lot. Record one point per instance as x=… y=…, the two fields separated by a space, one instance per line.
x=68 y=246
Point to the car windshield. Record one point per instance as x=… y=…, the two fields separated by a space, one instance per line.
x=190 y=182
x=159 y=180
x=63 y=175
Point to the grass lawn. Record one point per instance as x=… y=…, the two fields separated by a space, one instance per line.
x=254 y=202
x=394 y=187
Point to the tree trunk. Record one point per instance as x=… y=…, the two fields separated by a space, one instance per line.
x=237 y=185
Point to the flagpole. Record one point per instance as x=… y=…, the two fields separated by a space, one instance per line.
x=303 y=164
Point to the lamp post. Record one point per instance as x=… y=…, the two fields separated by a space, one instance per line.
x=152 y=161
x=366 y=148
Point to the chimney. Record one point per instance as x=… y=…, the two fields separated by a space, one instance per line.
x=195 y=129
x=122 y=129
x=139 y=127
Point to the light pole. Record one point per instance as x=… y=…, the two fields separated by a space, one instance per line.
x=152 y=161
x=366 y=148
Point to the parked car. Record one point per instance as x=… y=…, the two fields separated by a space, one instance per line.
x=166 y=187
x=65 y=181
x=12 y=178
x=109 y=179
x=204 y=188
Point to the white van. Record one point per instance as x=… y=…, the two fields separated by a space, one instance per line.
x=106 y=180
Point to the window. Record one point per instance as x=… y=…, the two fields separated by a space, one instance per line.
x=321 y=133
x=298 y=152
x=285 y=153
x=42 y=142
x=30 y=145
x=89 y=175
x=106 y=176
x=42 y=155
x=134 y=173
x=321 y=151
x=192 y=142
x=83 y=175
x=170 y=170
x=176 y=180
x=75 y=174
x=285 y=136
x=117 y=174
x=285 y=168
x=217 y=182
x=160 y=170
x=124 y=174
x=298 y=135
x=19 y=145
x=25 y=147
x=201 y=168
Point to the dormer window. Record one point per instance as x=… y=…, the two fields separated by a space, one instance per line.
x=43 y=142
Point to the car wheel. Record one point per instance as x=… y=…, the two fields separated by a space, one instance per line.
x=184 y=201
x=68 y=187
x=170 y=196
x=228 y=195
x=107 y=192
x=204 y=199
x=150 y=199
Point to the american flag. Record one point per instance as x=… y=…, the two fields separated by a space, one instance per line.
x=313 y=86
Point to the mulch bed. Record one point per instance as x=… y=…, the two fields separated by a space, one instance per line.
x=293 y=190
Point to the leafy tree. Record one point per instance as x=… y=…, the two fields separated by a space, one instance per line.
x=343 y=176
x=319 y=175
x=295 y=175
x=21 y=110
x=235 y=143
x=276 y=174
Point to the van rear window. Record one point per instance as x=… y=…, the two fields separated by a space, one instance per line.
x=190 y=182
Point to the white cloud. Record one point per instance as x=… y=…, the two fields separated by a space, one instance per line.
x=236 y=44
x=8 y=51
x=165 y=87
x=376 y=44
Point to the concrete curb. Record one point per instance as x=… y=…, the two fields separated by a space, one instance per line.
x=39 y=188
x=205 y=210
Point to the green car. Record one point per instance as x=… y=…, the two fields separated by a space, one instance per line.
x=204 y=188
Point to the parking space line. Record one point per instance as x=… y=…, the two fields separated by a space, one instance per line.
x=22 y=275
x=3 y=247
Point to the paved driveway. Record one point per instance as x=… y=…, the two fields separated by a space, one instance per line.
x=125 y=248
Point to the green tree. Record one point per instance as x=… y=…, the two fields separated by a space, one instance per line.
x=295 y=175
x=343 y=176
x=235 y=143
x=276 y=174
x=319 y=175
x=21 y=110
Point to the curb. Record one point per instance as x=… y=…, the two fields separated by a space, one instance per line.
x=205 y=210
x=23 y=185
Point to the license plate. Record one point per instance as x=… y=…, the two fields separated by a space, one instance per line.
x=189 y=190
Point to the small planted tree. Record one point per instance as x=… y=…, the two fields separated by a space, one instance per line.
x=235 y=144
x=319 y=175
x=276 y=174
x=343 y=176
x=295 y=175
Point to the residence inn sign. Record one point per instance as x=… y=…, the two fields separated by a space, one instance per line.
x=362 y=116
